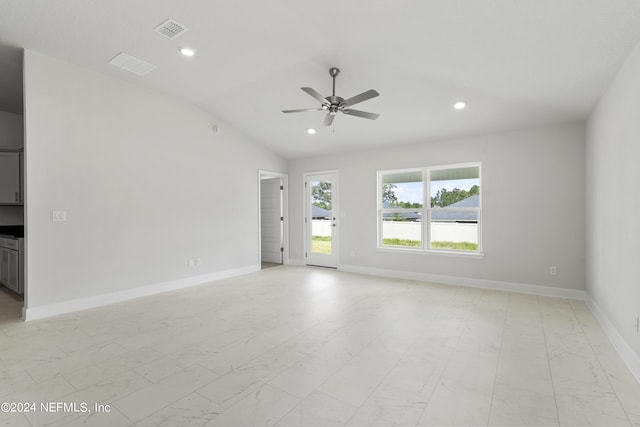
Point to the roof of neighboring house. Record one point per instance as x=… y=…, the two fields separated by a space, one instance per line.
x=469 y=202
x=408 y=216
x=318 y=212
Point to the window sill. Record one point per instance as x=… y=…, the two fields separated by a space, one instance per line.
x=459 y=254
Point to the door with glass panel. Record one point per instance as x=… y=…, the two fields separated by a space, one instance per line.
x=321 y=215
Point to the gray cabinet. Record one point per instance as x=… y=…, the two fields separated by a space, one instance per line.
x=11 y=178
x=11 y=264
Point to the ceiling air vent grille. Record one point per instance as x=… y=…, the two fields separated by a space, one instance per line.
x=132 y=64
x=170 y=28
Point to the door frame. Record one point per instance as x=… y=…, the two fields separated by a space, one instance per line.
x=285 y=211
x=335 y=212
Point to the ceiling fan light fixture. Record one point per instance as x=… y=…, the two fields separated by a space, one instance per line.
x=460 y=105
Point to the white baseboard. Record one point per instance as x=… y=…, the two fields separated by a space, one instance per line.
x=626 y=353
x=41 y=312
x=467 y=281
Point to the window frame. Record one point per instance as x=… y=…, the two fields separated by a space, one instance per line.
x=426 y=212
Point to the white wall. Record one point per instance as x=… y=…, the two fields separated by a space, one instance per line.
x=532 y=183
x=145 y=182
x=613 y=204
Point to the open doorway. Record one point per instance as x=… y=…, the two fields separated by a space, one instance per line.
x=272 y=219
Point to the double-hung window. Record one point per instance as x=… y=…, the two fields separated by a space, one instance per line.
x=430 y=209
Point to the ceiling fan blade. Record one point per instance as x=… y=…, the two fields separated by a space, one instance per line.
x=315 y=94
x=363 y=114
x=300 y=110
x=359 y=98
x=328 y=119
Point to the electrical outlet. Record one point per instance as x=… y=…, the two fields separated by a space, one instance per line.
x=553 y=270
x=198 y=262
x=191 y=263
x=58 y=216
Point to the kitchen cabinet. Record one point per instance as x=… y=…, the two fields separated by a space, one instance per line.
x=11 y=264
x=11 y=177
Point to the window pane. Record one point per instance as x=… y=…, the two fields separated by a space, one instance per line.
x=402 y=190
x=455 y=199
x=321 y=217
x=402 y=229
x=455 y=188
x=454 y=235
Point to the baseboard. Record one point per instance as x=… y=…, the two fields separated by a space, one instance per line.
x=44 y=311
x=467 y=281
x=626 y=353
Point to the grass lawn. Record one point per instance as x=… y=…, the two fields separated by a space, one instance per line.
x=401 y=242
x=321 y=245
x=463 y=246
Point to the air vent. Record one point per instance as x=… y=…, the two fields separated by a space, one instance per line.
x=132 y=64
x=170 y=28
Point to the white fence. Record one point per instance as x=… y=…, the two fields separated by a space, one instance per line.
x=321 y=227
x=440 y=231
x=405 y=230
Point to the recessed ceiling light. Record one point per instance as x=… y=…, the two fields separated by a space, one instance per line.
x=311 y=131
x=187 y=51
x=460 y=105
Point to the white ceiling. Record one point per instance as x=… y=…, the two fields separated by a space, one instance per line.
x=518 y=63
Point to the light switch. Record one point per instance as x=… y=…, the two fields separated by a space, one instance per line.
x=59 y=216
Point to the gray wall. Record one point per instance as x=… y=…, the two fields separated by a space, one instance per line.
x=11 y=136
x=613 y=204
x=145 y=182
x=533 y=206
x=11 y=130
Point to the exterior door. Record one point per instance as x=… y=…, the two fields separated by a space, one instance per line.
x=271 y=219
x=321 y=219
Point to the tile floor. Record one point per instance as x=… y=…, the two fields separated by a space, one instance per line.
x=295 y=346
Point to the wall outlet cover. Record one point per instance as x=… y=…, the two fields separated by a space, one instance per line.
x=59 y=216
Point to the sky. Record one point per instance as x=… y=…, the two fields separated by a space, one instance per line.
x=412 y=191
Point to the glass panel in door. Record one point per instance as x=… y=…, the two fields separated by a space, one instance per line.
x=321 y=220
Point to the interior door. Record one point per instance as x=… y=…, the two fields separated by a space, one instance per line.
x=321 y=219
x=271 y=220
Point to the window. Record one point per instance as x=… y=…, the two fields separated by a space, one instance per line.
x=430 y=209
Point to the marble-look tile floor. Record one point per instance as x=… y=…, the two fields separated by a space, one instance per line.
x=295 y=346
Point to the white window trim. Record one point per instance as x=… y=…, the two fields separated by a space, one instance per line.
x=426 y=213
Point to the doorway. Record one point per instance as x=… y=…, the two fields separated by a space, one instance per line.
x=321 y=212
x=272 y=219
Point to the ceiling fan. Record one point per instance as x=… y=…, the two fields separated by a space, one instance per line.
x=332 y=104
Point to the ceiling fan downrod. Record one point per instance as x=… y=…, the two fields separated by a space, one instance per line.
x=334 y=100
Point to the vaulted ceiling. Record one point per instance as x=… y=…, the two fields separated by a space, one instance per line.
x=517 y=63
